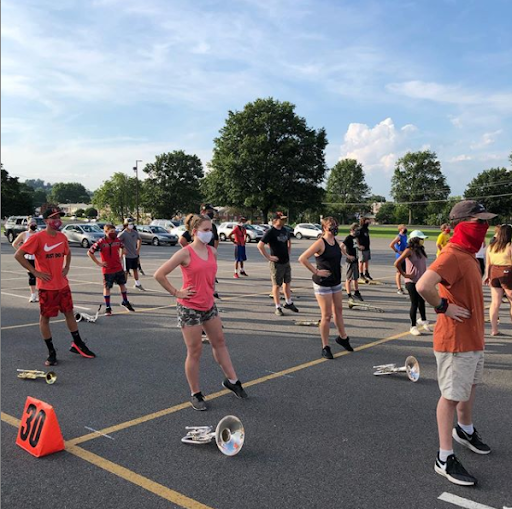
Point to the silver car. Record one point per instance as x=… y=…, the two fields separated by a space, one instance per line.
x=83 y=234
x=156 y=235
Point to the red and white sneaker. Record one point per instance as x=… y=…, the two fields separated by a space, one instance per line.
x=236 y=276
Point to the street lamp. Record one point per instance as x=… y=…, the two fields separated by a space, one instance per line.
x=136 y=170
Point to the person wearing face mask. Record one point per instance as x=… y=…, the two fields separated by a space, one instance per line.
x=398 y=245
x=131 y=239
x=196 y=308
x=443 y=238
x=453 y=286
x=209 y=210
x=327 y=283
x=412 y=264
x=52 y=261
x=238 y=236
x=20 y=239
x=110 y=248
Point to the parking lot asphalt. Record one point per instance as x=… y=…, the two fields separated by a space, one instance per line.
x=319 y=433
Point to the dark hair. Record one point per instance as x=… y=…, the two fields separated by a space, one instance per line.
x=415 y=246
x=503 y=238
x=187 y=222
x=108 y=226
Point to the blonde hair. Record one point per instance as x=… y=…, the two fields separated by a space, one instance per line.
x=401 y=227
x=444 y=226
x=187 y=221
x=354 y=226
x=196 y=221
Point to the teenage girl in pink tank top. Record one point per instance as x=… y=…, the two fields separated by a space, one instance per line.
x=196 y=308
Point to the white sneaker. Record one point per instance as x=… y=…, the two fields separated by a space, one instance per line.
x=33 y=298
x=414 y=331
x=425 y=324
x=400 y=292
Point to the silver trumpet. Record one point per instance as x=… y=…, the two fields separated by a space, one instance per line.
x=308 y=323
x=229 y=435
x=87 y=318
x=32 y=374
x=362 y=305
x=412 y=368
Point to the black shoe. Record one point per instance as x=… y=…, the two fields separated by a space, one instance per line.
x=291 y=307
x=345 y=343
x=81 y=348
x=358 y=295
x=127 y=305
x=367 y=276
x=52 y=359
x=216 y=295
x=326 y=352
x=236 y=388
x=472 y=442
x=279 y=311
x=108 y=311
x=198 y=402
x=454 y=471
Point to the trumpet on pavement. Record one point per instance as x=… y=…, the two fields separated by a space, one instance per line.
x=229 y=435
x=363 y=305
x=412 y=368
x=308 y=323
x=87 y=318
x=32 y=374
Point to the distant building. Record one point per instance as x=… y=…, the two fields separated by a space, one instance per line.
x=71 y=208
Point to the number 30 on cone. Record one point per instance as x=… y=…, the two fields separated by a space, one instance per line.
x=39 y=432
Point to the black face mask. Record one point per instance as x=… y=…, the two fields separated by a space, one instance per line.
x=210 y=214
x=33 y=227
x=334 y=230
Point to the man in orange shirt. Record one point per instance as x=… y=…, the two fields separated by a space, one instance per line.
x=51 y=249
x=458 y=335
x=238 y=236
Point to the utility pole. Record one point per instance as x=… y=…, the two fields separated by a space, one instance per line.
x=136 y=170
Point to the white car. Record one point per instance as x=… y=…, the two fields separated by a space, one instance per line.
x=178 y=230
x=253 y=235
x=307 y=231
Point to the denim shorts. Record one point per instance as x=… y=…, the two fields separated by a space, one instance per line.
x=326 y=290
x=188 y=317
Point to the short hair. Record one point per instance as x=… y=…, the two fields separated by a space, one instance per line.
x=444 y=226
x=109 y=226
x=354 y=226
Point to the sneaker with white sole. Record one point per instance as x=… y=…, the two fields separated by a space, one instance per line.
x=425 y=325
x=33 y=298
x=198 y=402
x=472 y=442
x=400 y=292
x=140 y=288
x=453 y=470
x=415 y=331
x=236 y=388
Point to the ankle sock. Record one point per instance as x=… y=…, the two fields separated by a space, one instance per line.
x=468 y=428
x=233 y=381
x=443 y=454
x=49 y=345
x=125 y=296
x=278 y=306
x=289 y=302
x=107 y=300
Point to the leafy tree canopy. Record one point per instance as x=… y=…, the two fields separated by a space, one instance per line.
x=16 y=196
x=116 y=196
x=69 y=192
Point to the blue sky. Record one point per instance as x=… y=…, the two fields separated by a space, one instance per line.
x=89 y=87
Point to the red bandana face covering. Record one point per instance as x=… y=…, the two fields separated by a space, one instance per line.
x=469 y=235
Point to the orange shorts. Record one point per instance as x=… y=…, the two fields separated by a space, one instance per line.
x=53 y=301
x=501 y=276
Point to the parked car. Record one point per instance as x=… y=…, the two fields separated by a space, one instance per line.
x=289 y=229
x=307 y=231
x=179 y=230
x=83 y=234
x=17 y=224
x=264 y=227
x=156 y=235
x=253 y=235
x=164 y=223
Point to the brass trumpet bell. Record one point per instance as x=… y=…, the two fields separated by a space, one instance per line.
x=411 y=367
x=32 y=374
x=229 y=435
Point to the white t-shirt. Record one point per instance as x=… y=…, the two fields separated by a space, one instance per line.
x=481 y=252
x=28 y=233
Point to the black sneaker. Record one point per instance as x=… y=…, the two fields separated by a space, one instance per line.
x=454 y=471
x=472 y=442
x=127 y=305
x=291 y=307
x=52 y=359
x=108 y=311
x=326 y=352
x=345 y=343
x=236 y=388
x=358 y=296
x=216 y=295
x=81 y=348
x=198 y=402
x=367 y=276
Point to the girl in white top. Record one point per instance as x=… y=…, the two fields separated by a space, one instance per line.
x=20 y=239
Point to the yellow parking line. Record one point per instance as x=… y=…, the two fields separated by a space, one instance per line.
x=9 y=419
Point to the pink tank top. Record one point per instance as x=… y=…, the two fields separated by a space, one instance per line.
x=200 y=274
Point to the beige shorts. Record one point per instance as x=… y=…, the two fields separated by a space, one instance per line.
x=458 y=372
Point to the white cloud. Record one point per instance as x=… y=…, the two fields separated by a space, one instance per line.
x=486 y=140
x=461 y=158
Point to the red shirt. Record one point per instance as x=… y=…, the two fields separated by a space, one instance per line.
x=50 y=252
x=109 y=252
x=239 y=234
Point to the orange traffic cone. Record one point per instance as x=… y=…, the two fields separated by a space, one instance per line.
x=39 y=432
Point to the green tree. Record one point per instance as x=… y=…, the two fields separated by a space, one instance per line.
x=69 y=192
x=386 y=214
x=79 y=213
x=487 y=186
x=346 y=185
x=418 y=178
x=267 y=157
x=90 y=212
x=116 y=197
x=173 y=184
x=376 y=198
x=16 y=196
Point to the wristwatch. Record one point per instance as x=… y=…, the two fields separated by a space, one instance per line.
x=442 y=307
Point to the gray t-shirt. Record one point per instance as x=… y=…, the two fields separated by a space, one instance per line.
x=130 y=238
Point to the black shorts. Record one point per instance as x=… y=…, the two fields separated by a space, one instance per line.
x=131 y=264
x=31 y=278
x=116 y=277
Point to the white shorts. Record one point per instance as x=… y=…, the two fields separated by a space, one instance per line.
x=326 y=290
x=458 y=372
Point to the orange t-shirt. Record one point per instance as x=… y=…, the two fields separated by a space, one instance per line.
x=49 y=252
x=461 y=284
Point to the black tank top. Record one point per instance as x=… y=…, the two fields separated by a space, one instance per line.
x=330 y=260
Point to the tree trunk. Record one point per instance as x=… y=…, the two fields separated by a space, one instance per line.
x=265 y=214
x=410 y=215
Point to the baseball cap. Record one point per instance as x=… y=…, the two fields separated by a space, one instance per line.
x=417 y=234
x=208 y=206
x=470 y=208
x=52 y=211
x=242 y=218
x=279 y=215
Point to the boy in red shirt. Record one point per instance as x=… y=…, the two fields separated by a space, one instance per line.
x=238 y=236
x=51 y=248
x=110 y=248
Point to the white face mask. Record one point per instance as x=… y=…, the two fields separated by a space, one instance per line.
x=130 y=226
x=204 y=237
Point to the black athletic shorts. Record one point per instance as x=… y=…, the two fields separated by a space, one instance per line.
x=131 y=263
x=116 y=277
